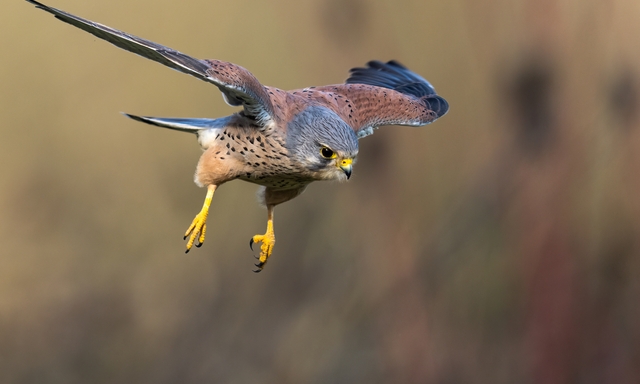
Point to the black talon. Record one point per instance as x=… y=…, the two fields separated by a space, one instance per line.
x=257 y=270
x=199 y=244
x=251 y=243
x=187 y=251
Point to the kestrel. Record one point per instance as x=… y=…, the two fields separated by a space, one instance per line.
x=280 y=140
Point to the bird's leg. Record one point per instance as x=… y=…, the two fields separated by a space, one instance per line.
x=268 y=240
x=198 y=227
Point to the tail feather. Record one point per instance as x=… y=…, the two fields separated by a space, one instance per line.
x=192 y=125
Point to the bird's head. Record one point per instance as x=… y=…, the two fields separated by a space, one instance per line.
x=319 y=140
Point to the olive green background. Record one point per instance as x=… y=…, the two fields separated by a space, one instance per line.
x=498 y=245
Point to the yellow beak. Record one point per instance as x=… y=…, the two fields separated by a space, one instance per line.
x=346 y=166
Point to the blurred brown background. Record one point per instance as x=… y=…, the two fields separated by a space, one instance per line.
x=498 y=245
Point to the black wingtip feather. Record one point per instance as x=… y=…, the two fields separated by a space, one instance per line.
x=437 y=104
x=392 y=75
x=39 y=5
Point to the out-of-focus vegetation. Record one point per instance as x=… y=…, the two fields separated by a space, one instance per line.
x=499 y=245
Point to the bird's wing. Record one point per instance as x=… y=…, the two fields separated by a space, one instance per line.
x=238 y=86
x=184 y=124
x=383 y=94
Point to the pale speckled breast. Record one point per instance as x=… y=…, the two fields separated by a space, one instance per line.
x=259 y=158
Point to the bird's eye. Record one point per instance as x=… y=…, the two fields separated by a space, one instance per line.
x=327 y=153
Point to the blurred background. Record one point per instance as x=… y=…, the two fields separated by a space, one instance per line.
x=498 y=245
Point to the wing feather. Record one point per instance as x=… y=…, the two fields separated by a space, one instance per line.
x=238 y=85
x=383 y=94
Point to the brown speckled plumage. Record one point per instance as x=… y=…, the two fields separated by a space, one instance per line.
x=281 y=140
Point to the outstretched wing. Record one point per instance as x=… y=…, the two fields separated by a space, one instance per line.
x=238 y=86
x=384 y=94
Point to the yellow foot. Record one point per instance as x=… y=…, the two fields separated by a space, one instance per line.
x=197 y=230
x=198 y=227
x=268 y=240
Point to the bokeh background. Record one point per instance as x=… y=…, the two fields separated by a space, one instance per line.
x=498 y=245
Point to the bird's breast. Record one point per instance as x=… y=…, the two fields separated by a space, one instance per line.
x=253 y=156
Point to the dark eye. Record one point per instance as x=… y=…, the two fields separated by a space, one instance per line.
x=327 y=153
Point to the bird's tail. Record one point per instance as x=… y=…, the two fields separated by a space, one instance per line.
x=192 y=125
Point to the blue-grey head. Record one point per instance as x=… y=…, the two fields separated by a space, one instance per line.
x=319 y=140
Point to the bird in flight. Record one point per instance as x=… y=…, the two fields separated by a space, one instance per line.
x=280 y=140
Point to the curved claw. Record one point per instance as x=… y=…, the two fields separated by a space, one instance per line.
x=251 y=243
x=260 y=266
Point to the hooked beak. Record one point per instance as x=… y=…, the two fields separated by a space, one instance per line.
x=346 y=166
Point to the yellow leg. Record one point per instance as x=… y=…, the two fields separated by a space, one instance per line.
x=268 y=240
x=198 y=227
